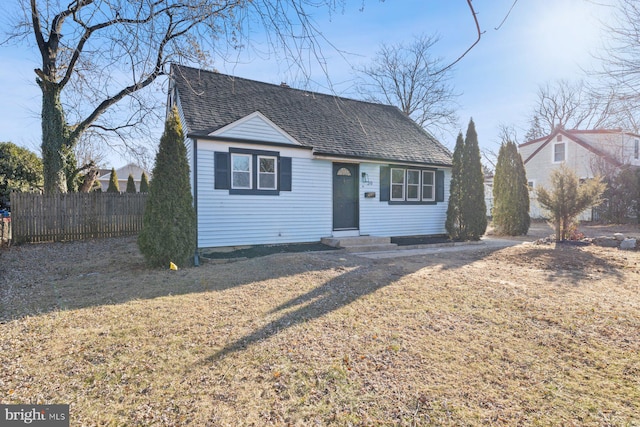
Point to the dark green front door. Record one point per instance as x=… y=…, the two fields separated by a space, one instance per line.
x=345 y=196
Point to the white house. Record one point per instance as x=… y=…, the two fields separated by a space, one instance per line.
x=586 y=152
x=272 y=164
x=123 y=176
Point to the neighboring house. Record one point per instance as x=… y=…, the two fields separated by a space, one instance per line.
x=123 y=177
x=586 y=152
x=271 y=164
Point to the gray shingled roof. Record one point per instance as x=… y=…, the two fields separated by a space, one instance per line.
x=330 y=125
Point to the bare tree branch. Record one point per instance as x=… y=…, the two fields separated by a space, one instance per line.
x=479 y=32
x=410 y=78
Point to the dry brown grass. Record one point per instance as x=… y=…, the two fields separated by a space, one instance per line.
x=529 y=335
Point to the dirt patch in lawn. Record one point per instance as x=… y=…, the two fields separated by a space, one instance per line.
x=527 y=335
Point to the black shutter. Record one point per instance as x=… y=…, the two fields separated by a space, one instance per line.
x=285 y=173
x=385 y=183
x=221 y=169
x=439 y=186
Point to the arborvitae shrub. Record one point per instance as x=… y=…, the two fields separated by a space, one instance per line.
x=466 y=213
x=131 y=185
x=453 y=224
x=144 y=183
x=510 y=193
x=113 y=182
x=473 y=207
x=169 y=224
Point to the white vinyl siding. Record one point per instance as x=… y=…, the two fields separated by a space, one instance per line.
x=304 y=214
x=301 y=215
x=384 y=219
x=254 y=127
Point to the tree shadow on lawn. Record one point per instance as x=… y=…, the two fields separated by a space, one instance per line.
x=41 y=278
x=562 y=263
x=363 y=280
x=36 y=279
x=568 y=262
x=366 y=278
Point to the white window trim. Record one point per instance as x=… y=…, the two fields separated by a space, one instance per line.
x=416 y=199
x=404 y=185
x=250 y=171
x=532 y=186
x=553 y=152
x=433 y=186
x=274 y=173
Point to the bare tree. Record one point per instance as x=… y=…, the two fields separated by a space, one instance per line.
x=569 y=106
x=621 y=58
x=99 y=55
x=409 y=77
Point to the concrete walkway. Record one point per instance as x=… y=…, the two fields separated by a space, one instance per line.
x=487 y=242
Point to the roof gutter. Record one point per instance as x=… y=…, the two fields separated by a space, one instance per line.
x=357 y=159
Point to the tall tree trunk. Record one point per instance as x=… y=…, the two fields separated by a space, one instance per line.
x=55 y=144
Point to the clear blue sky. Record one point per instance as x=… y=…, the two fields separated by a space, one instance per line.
x=541 y=40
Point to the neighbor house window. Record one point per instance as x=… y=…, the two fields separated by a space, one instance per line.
x=240 y=171
x=428 y=185
x=397 y=184
x=559 y=152
x=267 y=172
x=636 y=149
x=531 y=185
x=413 y=185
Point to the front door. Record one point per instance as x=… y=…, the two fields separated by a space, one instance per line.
x=345 y=196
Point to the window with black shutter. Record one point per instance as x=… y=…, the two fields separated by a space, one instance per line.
x=403 y=185
x=243 y=171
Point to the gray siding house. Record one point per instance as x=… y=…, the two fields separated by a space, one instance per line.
x=272 y=164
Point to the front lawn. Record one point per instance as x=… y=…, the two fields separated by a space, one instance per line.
x=529 y=335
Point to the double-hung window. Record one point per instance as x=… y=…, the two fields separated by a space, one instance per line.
x=241 y=171
x=428 y=186
x=267 y=172
x=244 y=172
x=404 y=185
x=397 y=184
x=413 y=185
x=559 y=152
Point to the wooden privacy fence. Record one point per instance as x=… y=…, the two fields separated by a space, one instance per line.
x=75 y=216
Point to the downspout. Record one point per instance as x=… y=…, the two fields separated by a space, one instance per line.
x=196 y=256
